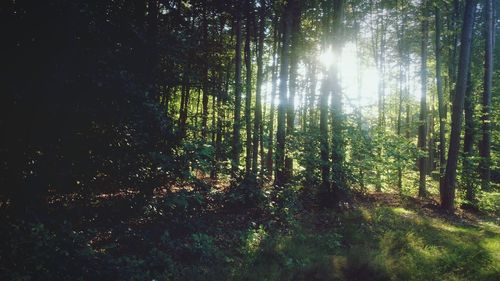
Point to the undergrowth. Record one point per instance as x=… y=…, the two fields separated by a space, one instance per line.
x=209 y=235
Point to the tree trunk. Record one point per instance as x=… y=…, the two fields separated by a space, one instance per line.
x=448 y=190
x=257 y=130
x=441 y=103
x=281 y=134
x=248 y=96
x=338 y=177
x=468 y=142
x=236 y=143
x=485 y=144
x=292 y=83
x=205 y=113
x=270 y=160
x=422 y=126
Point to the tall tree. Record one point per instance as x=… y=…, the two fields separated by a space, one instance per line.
x=338 y=177
x=323 y=106
x=283 y=90
x=258 y=128
x=248 y=88
x=448 y=189
x=236 y=143
x=468 y=142
x=422 y=126
x=485 y=144
x=292 y=83
x=440 y=95
x=205 y=113
x=274 y=79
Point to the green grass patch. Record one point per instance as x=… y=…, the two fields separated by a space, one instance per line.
x=380 y=243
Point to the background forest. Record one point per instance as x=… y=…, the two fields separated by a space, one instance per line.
x=250 y=140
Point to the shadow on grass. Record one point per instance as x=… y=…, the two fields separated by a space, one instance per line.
x=372 y=244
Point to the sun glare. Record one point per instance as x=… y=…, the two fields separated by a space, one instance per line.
x=359 y=81
x=326 y=57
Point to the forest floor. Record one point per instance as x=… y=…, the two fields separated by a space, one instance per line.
x=213 y=235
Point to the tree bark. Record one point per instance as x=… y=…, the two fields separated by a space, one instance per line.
x=338 y=177
x=485 y=144
x=441 y=103
x=422 y=126
x=468 y=142
x=248 y=88
x=257 y=130
x=282 y=107
x=274 y=79
x=292 y=83
x=236 y=143
x=448 y=190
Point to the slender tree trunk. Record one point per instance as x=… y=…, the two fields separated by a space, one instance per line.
x=485 y=144
x=338 y=177
x=282 y=107
x=441 y=103
x=468 y=142
x=400 y=104
x=248 y=96
x=312 y=125
x=448 y=190
x=292 y=83
x=257 y=133
x=205 y=113
x=185 y=93
x=236 y=143
x=325 y=91
x=422 y=126
x=217 y=137
x=270 y=155
x=453 y=24
x=323 y=128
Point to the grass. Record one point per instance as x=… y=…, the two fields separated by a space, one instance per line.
x=374 y=243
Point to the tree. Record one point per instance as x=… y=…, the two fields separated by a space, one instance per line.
x=236 y=144
x=485 y=144
x=338 y=176
x=283 y=90
x=274 y=79
x=439 y=88
x=292 y=83
x=258 y=127
x=422 y=126
x=248 y=88
x=447 y=191
x=323 y=104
